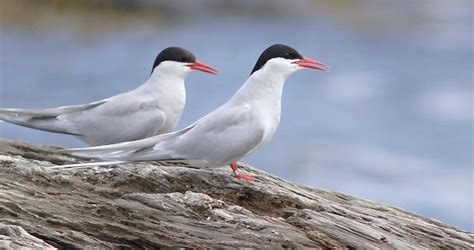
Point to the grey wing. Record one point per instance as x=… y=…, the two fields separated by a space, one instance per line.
x=53 y=111
x=132 y=145
x=46 y=119
x=124 y=148
x=222 y=136
x=118 y=120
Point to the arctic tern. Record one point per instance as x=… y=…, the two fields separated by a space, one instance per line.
x=243 y=124
x=153 y=108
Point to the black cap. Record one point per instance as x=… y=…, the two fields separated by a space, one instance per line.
x=275 y=51
x=174 y=54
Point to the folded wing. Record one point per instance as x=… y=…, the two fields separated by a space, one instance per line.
x=46 y=119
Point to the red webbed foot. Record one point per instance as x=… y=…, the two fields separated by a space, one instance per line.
x=237 y=175
x=245 y=177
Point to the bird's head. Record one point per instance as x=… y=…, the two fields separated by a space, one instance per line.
x=284 y=59
x=175 y=60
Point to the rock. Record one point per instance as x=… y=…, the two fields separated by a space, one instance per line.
x=15 y=237
x=159 y=204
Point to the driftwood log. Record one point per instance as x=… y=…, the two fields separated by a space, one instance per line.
x=161 y=205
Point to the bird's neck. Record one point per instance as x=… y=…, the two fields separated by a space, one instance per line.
x=169 y=94
x=263 y=87
x=163 y=84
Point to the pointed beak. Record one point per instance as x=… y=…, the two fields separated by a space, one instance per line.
x=312 y=64
x=203 y=67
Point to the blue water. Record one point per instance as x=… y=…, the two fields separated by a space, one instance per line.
x=392 y=122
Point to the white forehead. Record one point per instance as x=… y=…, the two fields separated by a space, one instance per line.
x=171 y=64
x=280 y=63
x=172 y=67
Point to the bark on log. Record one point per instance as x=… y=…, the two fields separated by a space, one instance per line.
x=153 y=205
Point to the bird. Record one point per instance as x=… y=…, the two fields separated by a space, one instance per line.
x=153 y=108
x=245 y=123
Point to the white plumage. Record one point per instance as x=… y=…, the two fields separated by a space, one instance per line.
x=153 y=108
x=239 y=127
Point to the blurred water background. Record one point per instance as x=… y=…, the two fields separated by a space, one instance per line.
x=392 y=122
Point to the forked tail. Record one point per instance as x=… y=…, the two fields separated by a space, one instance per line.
x=85 y=165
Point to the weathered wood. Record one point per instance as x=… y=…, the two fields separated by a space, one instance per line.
x=167 y=205
x=15 y=237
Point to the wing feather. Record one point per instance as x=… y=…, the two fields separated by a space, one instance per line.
x=51 y=112
x=47 y=119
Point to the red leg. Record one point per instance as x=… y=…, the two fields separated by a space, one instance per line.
x=237 y=175
x=234 y=167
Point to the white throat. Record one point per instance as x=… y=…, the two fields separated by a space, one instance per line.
x=166 y=87
x=166 y=77
x=264 y=85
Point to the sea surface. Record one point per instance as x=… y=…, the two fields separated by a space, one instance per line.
x=391 y=122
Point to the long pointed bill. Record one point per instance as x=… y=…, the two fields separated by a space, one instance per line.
x=312 y=64
x=203 y=67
